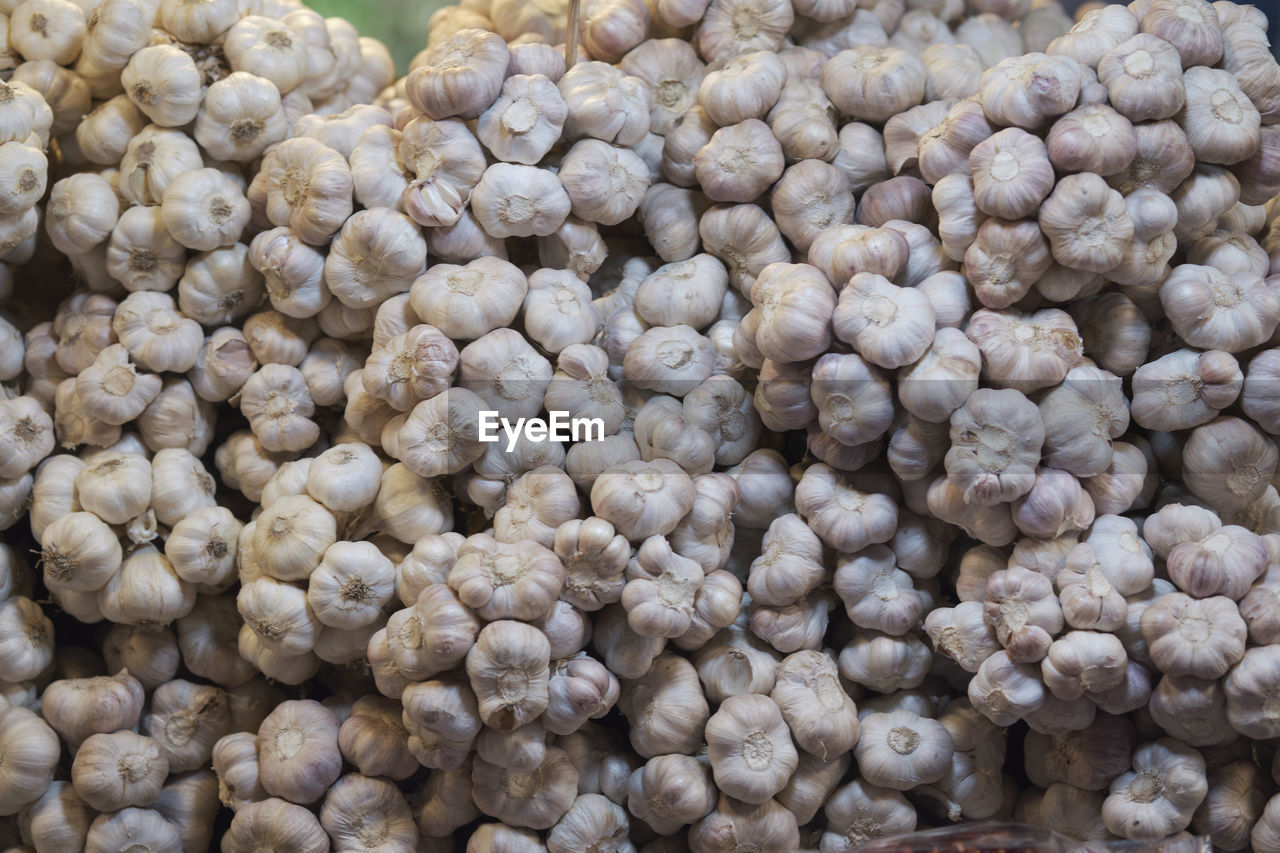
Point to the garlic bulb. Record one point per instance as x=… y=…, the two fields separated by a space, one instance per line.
x=1159 y=796
x=298 y=751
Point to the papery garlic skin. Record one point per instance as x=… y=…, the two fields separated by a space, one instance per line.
x=1160 y=794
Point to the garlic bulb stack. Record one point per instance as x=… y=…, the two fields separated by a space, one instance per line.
x=923 y=355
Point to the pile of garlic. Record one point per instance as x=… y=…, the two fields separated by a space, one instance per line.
x=932 y=345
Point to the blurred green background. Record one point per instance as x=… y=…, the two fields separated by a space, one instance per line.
x=399 y=24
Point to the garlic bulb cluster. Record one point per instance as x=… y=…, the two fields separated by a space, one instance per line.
x=729 y=436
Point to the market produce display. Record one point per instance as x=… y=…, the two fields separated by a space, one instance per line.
x=788 y=424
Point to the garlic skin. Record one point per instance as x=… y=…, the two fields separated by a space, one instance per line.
x=291 y=537
x=1247 y=687
x=996 y=438
x=298 y=751
x=595 y=558
x=158 y=337
x=186 y=719
x=1233 y=806
x=1025 y=352
x=463 y=75
x=643 y=499
x=151 y=655
x=392 y=238
x=204 y=209
x=592 y=820
x=31 y=749
x=1012 y=174
x=604 y=184
x=1226 y=484
x=240 y=117
x=844 y=517
x=116 y=488
x=525 y=121
x=80 y=553
x=1070 y=217
x=877 y=594
x=749 y=748
x=345 y=478
x=305 y=185
x=900 y=750
x=1082 y=416
x=1159 y=796
x=78 y=708
x=207 y=639
x=1203 y=568
x=1021 y=607
x=739 y=162
x=942 y=379
x=519 y=201
x=1185 y=389
x=440 y=742
x=266 y=48
x=146 y=591
x=508 y=796
x=1005 y=691
x=962 y=634
x=349 y=587
x=885 y=663
x=665 y=706
x=1012 y=94
x=275 y=821
x=790 y=563
x=891 y=326
x=113 y=771
x=809 y=197
x=1081 y=661
x=506 y=581
x=506 y=653
x=859 y=812
x=357 y=805
x=821 y=715
x=1211 y=642
x=58 y=817
x=670 y=791
x=430 y=635
x=446 y=161
x=558 y=312
x=467 y=302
